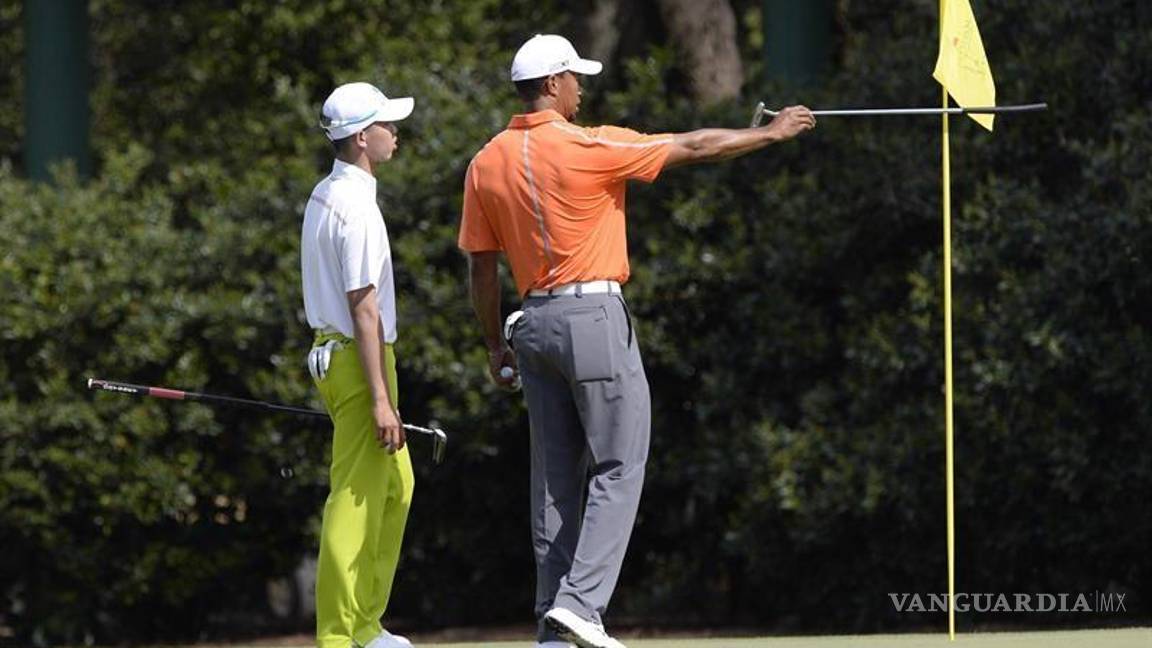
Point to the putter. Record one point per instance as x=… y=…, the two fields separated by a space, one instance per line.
x=758 y=115
x=439 y=437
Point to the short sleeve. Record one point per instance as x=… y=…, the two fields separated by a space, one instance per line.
x=362 y=247
x=625 y=154
x=476 y=231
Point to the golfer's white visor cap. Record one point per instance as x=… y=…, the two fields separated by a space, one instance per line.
x=355 y=106
x=547 y=54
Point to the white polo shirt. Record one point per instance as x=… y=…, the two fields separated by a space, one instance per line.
x=344 y=247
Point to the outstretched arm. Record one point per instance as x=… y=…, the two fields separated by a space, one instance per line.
x=716 y=144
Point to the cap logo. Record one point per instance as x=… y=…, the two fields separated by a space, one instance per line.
x=329 y=123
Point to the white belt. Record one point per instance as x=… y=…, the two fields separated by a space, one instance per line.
x=598 y=287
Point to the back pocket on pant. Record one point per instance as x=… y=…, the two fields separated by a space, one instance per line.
x=590 y=343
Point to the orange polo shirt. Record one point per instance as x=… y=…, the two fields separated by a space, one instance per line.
x=550 y=195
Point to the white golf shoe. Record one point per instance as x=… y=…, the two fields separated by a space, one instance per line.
x=388 y=640
x=579 y=631
x=553 y=644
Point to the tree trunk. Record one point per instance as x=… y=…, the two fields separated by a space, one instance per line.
x=704 y=35
x=598 y=28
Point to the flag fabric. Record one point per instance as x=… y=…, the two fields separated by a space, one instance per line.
x=961 y=66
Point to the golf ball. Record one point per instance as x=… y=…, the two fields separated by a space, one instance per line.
x=507 y=373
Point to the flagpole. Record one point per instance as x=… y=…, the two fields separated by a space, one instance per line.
x=948 y=454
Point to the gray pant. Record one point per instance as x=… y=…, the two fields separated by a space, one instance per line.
x=589 y=410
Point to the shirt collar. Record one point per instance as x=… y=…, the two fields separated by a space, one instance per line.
x=341 y=168
x=531 y=120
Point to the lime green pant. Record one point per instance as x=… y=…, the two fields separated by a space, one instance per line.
x=367 y=507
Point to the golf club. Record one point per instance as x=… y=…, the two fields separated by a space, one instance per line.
x=758 y=115
x=439 y=438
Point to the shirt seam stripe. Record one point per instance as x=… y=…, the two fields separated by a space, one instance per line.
x=536 y=204
x=608 y=142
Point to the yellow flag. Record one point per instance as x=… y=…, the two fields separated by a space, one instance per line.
x=961 y=67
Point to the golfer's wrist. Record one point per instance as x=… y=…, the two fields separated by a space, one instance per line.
x=770 y=134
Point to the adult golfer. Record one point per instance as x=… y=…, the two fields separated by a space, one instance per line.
x=550 y=196
x=350 y=302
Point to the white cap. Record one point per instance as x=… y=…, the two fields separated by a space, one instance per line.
x=355 y=106
x=547 y=54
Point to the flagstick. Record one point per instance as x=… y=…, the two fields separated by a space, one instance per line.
x=948 y=458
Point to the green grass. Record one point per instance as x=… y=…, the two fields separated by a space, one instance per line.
x=1125 y=638
x=1117 y=638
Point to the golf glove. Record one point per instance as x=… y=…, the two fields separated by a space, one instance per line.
x=510 y=326
x=320 y=357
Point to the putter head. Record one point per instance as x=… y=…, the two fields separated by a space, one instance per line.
x=758 y=115
x=439 y=440
x=439 y=445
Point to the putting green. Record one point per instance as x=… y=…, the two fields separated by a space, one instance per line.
x=1125 y=638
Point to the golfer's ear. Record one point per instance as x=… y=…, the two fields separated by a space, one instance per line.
x=552 y=85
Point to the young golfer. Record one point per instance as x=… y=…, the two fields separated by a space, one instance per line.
x=549 y=195
x=346 y=266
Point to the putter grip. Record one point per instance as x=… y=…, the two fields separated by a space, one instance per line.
x=123 y=388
